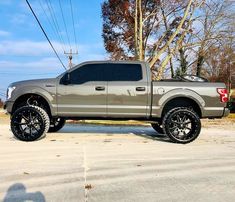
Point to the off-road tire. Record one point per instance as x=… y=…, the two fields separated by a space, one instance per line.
x=177 y=121
x=29 y=123
x=56 y=124
x=158 y=128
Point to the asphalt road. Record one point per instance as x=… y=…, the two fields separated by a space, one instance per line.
x=117 y=163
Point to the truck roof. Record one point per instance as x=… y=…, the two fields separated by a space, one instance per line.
x=113 y=61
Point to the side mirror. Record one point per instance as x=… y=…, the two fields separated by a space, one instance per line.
x=66 y=79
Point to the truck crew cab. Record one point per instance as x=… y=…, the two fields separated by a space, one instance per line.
x=114 y=90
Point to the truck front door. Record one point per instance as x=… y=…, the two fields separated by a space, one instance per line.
x=86 y=93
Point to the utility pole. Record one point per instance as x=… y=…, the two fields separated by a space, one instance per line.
x=70 y=57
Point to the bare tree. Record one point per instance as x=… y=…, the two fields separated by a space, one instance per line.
x=169 y=34
x=145 y=29
x=210 y=25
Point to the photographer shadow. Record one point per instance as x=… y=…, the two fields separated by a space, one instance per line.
x=17 y=192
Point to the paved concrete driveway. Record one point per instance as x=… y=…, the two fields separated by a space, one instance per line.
x=121 y=163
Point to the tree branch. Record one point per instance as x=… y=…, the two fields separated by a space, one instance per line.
x=156 y=57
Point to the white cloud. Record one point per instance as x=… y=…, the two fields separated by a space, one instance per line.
x=11 y=71
x=26 y=48
x=36 y=57
x=48 y=64
x=42 y=48
x=4 y=33
x=43 y=65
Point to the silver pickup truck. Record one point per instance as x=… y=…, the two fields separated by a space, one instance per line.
x=114 y=90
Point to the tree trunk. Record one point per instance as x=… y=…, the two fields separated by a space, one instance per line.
x=141 y=52
x=183 y=62
x=200 y=62
x=172 y=67
x=168 y=48
x=136 y=30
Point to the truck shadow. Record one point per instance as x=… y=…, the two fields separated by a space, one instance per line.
x=17 y=192
x=141 y=131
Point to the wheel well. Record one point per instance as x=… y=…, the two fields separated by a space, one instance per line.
x=182 y=102
x=32 y=99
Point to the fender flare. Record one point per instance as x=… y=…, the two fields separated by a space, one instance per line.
x=37 y=91
x=181 y=93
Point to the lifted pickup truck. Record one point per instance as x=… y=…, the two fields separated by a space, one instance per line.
x=114 y=90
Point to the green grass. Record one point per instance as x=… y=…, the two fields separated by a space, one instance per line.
x=231 y=116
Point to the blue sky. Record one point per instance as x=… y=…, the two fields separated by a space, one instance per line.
x=25 y=52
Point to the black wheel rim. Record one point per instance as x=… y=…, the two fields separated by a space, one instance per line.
x=182 y=126
x=28 y=124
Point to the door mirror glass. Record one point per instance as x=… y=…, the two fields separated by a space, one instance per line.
x=66 y=79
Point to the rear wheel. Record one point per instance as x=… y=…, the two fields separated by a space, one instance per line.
x=157 y=127
x=182 y=125
x=29 y=123
x=56 y=124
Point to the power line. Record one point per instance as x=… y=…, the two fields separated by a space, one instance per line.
x=23 y=73
x=62 y=13
x=22 y=56
x=77 y=17
x=45 y=34
x=54 y=20
x=75 y=37
x=51 y=24
x=58 y=24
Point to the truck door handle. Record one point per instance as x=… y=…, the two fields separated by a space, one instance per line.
x=99 y=88
x=140 y=88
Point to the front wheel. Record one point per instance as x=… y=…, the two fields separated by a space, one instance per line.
x=56 y=124
x=29 y=123
x=182 y=125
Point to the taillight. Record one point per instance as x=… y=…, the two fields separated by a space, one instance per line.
x=223 y=94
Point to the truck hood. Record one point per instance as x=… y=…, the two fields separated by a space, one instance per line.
x=36 y=82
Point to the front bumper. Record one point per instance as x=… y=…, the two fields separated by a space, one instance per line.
x=8 y=106
x=226 y=112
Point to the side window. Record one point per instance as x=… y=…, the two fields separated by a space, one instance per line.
x=123 y=72
x=86 y=73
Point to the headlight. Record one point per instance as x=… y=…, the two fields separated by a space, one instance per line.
x=9 y=91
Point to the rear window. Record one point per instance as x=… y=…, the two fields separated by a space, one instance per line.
x=123 y=72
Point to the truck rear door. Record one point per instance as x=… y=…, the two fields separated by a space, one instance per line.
x=128 y=90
